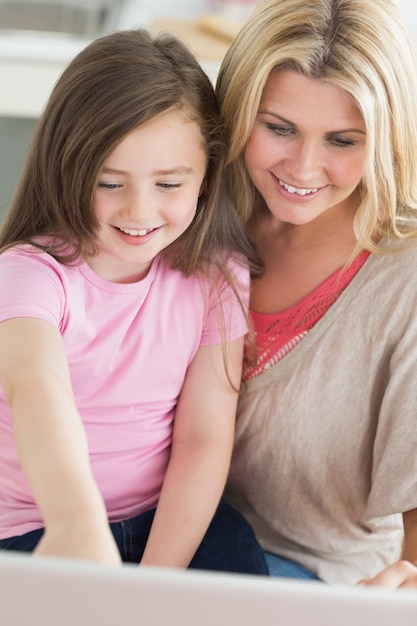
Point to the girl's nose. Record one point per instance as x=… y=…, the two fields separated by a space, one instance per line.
x=139 y=205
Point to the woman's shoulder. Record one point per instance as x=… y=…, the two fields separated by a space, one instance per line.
x=390 y=275
x=397 y=254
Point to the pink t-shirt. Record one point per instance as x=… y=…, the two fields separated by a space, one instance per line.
x=128 y=348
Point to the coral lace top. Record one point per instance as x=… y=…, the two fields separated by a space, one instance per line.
x=278 y=333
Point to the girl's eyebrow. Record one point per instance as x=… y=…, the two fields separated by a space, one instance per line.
x=331 y=132
x=111 y=170
x=179 y=169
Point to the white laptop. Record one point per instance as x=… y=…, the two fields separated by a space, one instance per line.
x=55 y=592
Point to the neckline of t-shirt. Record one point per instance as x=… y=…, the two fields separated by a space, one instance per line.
x=113 y=287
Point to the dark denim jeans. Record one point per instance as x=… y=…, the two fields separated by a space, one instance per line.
x=228 y=546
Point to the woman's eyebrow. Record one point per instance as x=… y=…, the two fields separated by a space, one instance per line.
x=278 y=117
x=330 y=132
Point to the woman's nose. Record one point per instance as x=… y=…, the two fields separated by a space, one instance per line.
x=304 y=162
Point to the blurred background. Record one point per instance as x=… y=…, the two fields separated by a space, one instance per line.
x=38 y=38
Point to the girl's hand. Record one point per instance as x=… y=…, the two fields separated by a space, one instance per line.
x=81 y=539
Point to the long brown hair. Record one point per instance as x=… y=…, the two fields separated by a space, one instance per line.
x=114 y=85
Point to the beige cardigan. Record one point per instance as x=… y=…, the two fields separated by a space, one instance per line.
x=326 y=442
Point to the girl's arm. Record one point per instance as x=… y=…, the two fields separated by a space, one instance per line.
x=200 y=457
x=51 y=442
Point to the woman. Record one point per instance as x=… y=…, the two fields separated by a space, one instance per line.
x=319 y=101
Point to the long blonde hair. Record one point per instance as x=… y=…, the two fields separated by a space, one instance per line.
x=360 y=46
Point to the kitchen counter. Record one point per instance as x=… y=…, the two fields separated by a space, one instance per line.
x=206 y=46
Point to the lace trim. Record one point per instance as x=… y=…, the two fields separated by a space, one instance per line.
x=276 y=334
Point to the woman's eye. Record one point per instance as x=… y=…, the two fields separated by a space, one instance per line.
x=341 y=142
x=278 y=129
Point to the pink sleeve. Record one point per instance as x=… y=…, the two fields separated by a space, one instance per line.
x=32 y=285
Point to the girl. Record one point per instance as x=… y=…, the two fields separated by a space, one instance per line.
x=124 y=284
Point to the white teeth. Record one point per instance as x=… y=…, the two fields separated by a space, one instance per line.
x=136 y=233
x=300 y=192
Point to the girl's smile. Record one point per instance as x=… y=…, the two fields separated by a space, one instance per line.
x=135 y=237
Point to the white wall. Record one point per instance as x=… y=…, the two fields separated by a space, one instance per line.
x=175 y=8
x=409 y=8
